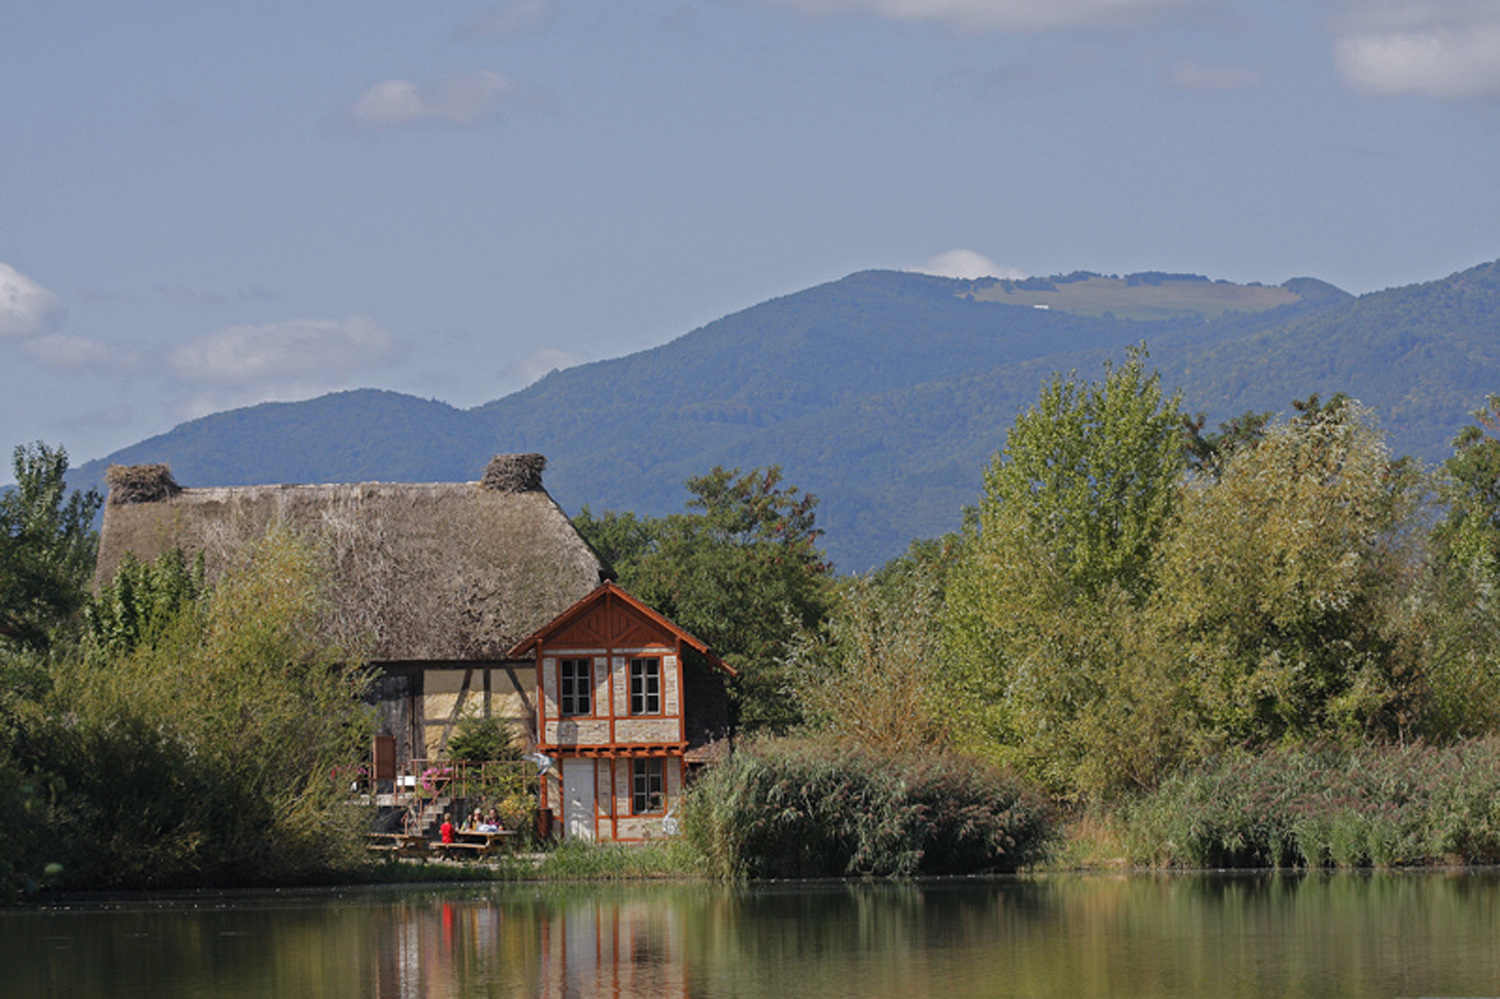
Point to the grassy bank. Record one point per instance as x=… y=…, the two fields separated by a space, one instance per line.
x=1371 y=806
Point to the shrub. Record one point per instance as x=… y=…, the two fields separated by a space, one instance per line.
x=1370 y=806
x=203 y=755
x=789 y=808
x=479 y=740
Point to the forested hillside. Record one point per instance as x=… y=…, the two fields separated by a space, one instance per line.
x=883 y=393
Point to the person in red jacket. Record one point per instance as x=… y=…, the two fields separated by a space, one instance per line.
x=446 y=830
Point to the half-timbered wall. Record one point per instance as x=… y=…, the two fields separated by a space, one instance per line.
x=609 y=633
x=451 y=695
x=609 y=636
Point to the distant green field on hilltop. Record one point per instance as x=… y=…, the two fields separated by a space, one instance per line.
x=1136 y=296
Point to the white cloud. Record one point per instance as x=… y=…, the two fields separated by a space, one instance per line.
x=506 y=19
x=1447 y=49
x=539 y=364
x=26 y=308
x=1000 y=15
x=1188 y=74
x=76 y=353
x=459 y=100
x=296 y=349
x=966 y=264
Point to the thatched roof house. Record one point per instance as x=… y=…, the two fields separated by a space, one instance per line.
x=437 y=580
x=427 y=572
x=466 y=595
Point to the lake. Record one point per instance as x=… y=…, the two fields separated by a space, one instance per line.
x=1365 y=935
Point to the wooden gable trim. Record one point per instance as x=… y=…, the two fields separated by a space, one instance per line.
x=607 y=592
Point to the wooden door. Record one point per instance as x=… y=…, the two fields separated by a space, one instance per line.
x=578 y=798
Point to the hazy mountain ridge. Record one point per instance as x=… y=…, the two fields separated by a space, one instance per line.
x=884 y=393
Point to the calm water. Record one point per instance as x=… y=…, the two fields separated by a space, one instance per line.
x=1325 y=936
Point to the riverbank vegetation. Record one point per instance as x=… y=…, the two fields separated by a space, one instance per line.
x=806 y=808
x=1271 y=644
x=177 y=734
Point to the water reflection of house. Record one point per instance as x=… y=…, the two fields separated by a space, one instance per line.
x=613 y=949
x=582 y=948
x=456 y=588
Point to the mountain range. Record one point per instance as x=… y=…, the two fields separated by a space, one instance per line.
x=884 y=393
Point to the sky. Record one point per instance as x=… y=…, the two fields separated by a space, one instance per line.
x=206 y=205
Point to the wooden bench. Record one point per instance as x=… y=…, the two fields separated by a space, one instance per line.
x=399 y=844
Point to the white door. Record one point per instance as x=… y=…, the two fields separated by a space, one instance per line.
x=578 y=798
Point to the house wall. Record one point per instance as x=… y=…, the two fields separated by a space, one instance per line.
x=610 y=722
x=450 y=695
x=609 y=631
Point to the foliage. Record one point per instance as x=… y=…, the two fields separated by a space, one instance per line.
x=490 y=771
x=619 y=538
x=1207 y=453
x=584 y=860
x=1470 y=534
x=142 y=599
x=785 y=808
x=1283 y=587
x=871 y=674
x=47 y=546
x=204 y=757
x=478 y=739
x=1380 y=806
x=741 y=570
x=1085 y=480
x=1043 y=635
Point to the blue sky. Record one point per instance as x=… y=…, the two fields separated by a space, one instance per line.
x=207 y=205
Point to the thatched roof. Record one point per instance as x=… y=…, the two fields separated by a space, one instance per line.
x=438 y=571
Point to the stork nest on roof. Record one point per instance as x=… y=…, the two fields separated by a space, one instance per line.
x=514 y=473
x=140 y=483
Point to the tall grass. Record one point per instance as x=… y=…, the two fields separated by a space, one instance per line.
x=1371 y=806
x=791 y=808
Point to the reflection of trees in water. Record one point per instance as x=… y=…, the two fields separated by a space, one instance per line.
x=1086 y=936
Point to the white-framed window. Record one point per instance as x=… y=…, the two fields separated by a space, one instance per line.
x=645 y=685
x=575 y=682
x=648 y=786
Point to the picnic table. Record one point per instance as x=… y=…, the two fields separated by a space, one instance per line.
x=479 y=842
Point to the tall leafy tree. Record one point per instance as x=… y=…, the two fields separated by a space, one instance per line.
x=1286 y=582
x=1075 y=508
x=1464 y=626
x=740 y=568
x=1470 y=534
x=870 y=676
x=47 y=547
x=141 y=600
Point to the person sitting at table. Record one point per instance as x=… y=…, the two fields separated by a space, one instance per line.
x=476 y=822
x=494 y=819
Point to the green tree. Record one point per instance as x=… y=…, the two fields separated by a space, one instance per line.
x=1286 y=585
x=1470 y=533
x=1207 y=453
x=47 y=547
x=1463 y=624
x=871 y=674
x=141 y=600
x=1044 y=661
x=208 y=755
x=741 y=569
x=620 y=538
